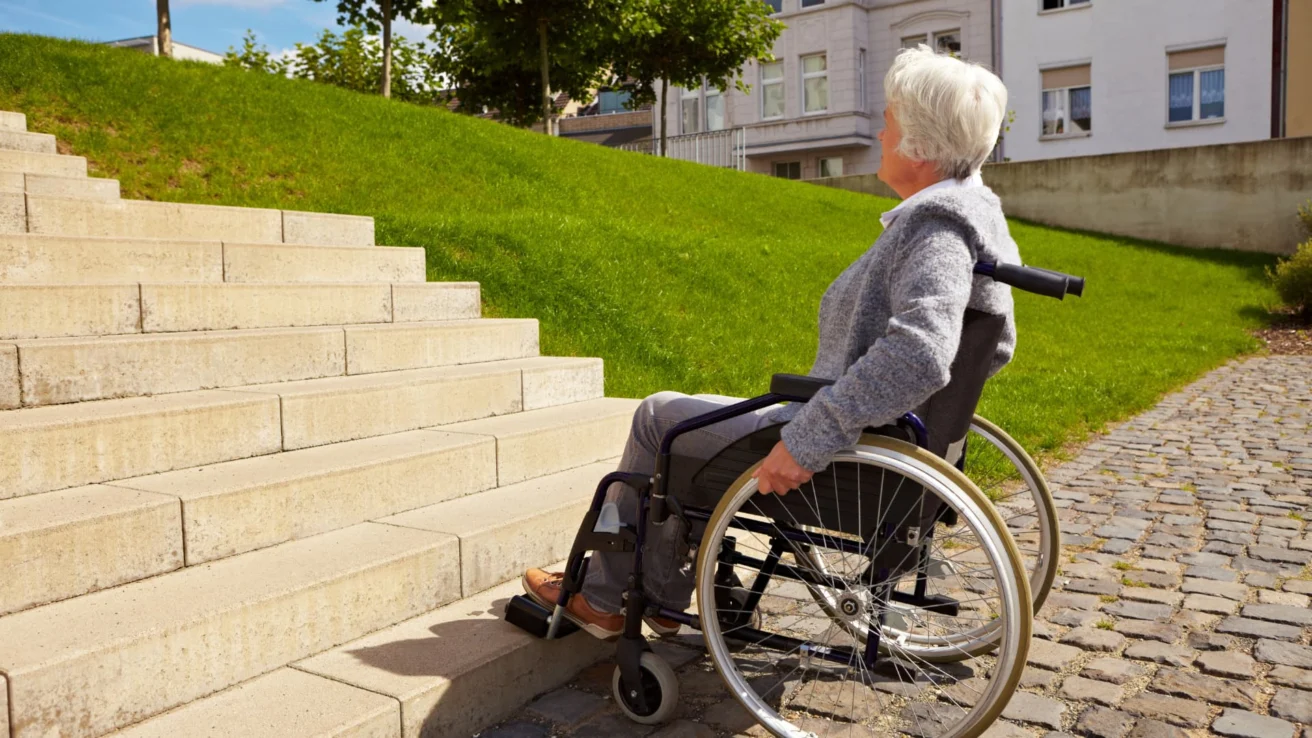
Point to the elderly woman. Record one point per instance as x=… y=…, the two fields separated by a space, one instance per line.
x=890 y=325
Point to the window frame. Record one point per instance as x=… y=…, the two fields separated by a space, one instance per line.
x=808 y=4
x=773 y=9
x=707 y=93
x=1195 y=119
x=774 y=169
x=617 y=93
x=801 y=70
x=820 y=166
x=1066 y=100
x=930 y=39
x=1065 y=6
x=863 y=103
x=781 y=81
x=696 y=97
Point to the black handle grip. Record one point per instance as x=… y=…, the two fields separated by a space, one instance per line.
x=1038 y=281
x=1074 y=285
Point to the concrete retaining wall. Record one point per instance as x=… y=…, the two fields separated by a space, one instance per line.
x=1233 y=196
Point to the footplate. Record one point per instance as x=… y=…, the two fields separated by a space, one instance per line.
x=527 y=615
x=938 y=604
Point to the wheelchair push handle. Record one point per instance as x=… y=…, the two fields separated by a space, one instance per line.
x=1033 y=279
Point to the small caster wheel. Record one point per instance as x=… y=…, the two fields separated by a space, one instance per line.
x=660 y=688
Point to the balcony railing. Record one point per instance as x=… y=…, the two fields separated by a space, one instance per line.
x=727 y=148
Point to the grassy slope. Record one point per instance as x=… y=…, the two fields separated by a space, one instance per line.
x=680 y=276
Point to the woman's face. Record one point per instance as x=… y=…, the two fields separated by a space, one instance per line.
x=894 y=168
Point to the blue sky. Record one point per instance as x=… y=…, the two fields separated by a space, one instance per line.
x=210 y=24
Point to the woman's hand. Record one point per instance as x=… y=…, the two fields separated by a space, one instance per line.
x=780 y=472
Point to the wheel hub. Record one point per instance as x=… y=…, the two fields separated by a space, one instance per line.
x=852 y=606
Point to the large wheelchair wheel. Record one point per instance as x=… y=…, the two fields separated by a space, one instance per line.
x=1014 y=484
x=901 y=645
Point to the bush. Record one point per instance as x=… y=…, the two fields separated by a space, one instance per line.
x=1292 y=278
x=1305 y=215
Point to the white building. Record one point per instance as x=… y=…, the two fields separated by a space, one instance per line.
x=1104 y=76
x=150 y=45
x=814 y=111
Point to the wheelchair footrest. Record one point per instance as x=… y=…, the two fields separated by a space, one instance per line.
x=527 y=615
x=939 y=604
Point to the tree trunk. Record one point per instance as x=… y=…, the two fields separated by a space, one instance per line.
x=665 y=91
x=546 y=81
x=164 y=28
x=387 y=48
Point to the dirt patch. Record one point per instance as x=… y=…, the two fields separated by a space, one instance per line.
x=1287 y=335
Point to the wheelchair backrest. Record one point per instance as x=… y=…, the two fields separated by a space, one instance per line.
x=947 y=414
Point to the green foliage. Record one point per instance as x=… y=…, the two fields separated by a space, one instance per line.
x=1305 y=215
x=352 y=60
x=1292 y=279
x=368 y=14
x=680 y=276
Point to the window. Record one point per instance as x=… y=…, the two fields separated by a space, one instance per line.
x=831 y=167
x=776 y=6
x=772 y=90
x=1195 y=85
x=689 y=109
x=861 y=81
x=943 y=41
x=714 y=109
x=1060 y=4
x=611 y=101
x=815 y=84
x=788 y=169
x=812 y=3
x=1067 y=101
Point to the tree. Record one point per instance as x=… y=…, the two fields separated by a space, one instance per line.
x=254 y=58
x=376 y=15
x=685 y=43
x=511 y=55
x=164 y=28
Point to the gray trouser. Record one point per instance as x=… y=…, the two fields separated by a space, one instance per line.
x=666 y=565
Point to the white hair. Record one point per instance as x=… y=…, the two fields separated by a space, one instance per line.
x=950 y=111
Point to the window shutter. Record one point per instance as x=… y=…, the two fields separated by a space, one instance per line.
x=1067 y=77
x=1196 y=58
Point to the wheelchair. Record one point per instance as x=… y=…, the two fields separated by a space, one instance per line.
x=890 y=594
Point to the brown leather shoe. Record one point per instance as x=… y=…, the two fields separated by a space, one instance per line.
x=663 y=627
x=545 y=587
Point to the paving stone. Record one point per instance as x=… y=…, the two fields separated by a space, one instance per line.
x=1288 y=654
x=1194 y=620
x=1160 y=653
x=1002 y=729
x=1150 y=631
x=1244 y=724
x=1259 y=629
x=729 y=715
x=1026 y=707
x=613 y=724
x=675 y=655
x=1188 y=713
x=1287 y=614
x=568 y=707
x=1211 y=641
x=1091 y=690
x=1051 y=655
x=1215 y=573
x=1075 y=618
x=1149 y=594
x=1293 y=704
x=1261 y=574
x=1116 y=671
x=1161 y=580
x=1061 y=600
x=1290 y=677
x=1208 y=603
x=929 y=719
x=1145 y=728
x=1281 y=555
x=517 y=729
x=1228 y=590
x=1270 y=597
x=1227 y=664
x=1204 y=559
x=1224 y=692
x=1099 y=722
x=1301 y=586
x=1094 y=639
x=1033 y=678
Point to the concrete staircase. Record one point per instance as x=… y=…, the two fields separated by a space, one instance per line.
x=258 y=478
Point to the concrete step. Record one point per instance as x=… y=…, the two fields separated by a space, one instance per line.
x=287 y=703
x=44 y=184
x=61 y=370
x=335 y=409
x=503 y=531
x=241 y=506
x=535 y=442
x=487 y=669
x=69 y=216
x=42 y=259
x=12 y=121
x=37 y=143
x=244 y=262
x=103 y=661
x=51 y=448
x=29 y=162
x=84 y=539
x=50 y=311
x=395 y=346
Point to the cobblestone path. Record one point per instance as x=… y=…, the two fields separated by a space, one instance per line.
x=1182 y=608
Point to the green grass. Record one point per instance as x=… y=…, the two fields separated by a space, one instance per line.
x=680 y=276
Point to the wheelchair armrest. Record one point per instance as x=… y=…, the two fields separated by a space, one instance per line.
x=797 y=385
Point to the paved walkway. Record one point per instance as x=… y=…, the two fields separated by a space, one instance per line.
x=1183 y=605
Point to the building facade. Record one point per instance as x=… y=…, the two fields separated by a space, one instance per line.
x=1105 y=76
x=150 y=45
x=815 y=109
